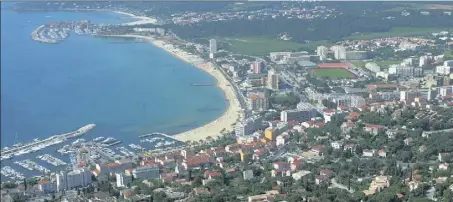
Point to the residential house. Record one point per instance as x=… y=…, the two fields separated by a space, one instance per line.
x=300 y=174
x=212 y=174
x=391 y=133
x=347 y=126
x=443 y=166
x=268 y=196
x=353 y=116
x=367 y=153
x=258 y=153
x=317 y=150
x=378 y=183
x=282 y=172
x=282 y=139
x=196 y=162
x=373 y=129
x=408 y=141
x=281 y=164
x=248 y=174
x=336 y=144
x=350 y=147
x=296 y=165
x=328 y=173
x=322 y=179
x=382 y=153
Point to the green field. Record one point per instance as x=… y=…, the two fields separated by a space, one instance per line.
x=261 y=46
x=332 y=73
x=384 y=63
x=398 y=31
x=448 y=55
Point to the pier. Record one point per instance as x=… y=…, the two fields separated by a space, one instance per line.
x=196 y=84
x=56 y=139
x=161 y=134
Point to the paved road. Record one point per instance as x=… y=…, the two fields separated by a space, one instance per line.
x=340 y=186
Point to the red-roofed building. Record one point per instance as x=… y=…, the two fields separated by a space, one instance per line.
x=327 y=173
x=321 y=179
x=258 y=154
x=319 y=125
x=353 y=116
x=296 y=165
x=308 y=124
x=197 y=162
x=281 y=172
x=347 y=126
x=373 y=129
x=317 y=149
x=212 y=174
x=327 y=114
x=342 y=108
x=281 y=164
x=168 y=177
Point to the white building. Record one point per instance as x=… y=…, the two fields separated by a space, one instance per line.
x=408 y=95
x=304 y=112
x=405 y=70
x=281 y=139
x=213 y=46
x=443 y=70
x=123 y=179
x=146 y=172
x=272 y=80
x=256 y=67
x=322 y=52
x=339 y=52
x=336 y=144
x=74 y=178
x=373 y=67
x=444 y=91
x=424 y=60
x=248 y=126
x=258 y=101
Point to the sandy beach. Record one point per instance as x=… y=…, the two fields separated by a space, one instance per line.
x=140 y=20
x=233 y=112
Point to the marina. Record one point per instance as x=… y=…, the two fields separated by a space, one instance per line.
x=52 y=160
x=11 y=173
x=31 y=165
x=37 y=145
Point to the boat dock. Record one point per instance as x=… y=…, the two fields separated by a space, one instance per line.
x=113 y=143
x=157 y=134
x=52 y=160
x=31 y=165
x=11 y=173
x=47 y=142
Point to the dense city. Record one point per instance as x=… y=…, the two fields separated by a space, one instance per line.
x=365 y=118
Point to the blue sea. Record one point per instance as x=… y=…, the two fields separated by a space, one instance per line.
x=126 y=89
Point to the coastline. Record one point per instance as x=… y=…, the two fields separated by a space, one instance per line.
x=231 y=114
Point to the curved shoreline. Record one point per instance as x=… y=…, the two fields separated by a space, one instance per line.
x=231 y=114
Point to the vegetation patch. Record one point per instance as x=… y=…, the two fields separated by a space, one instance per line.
x=397 y=31
x=448 y=55
x=262 y=45
x=332 y=73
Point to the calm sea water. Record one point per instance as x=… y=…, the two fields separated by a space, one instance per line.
x=127 y=89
